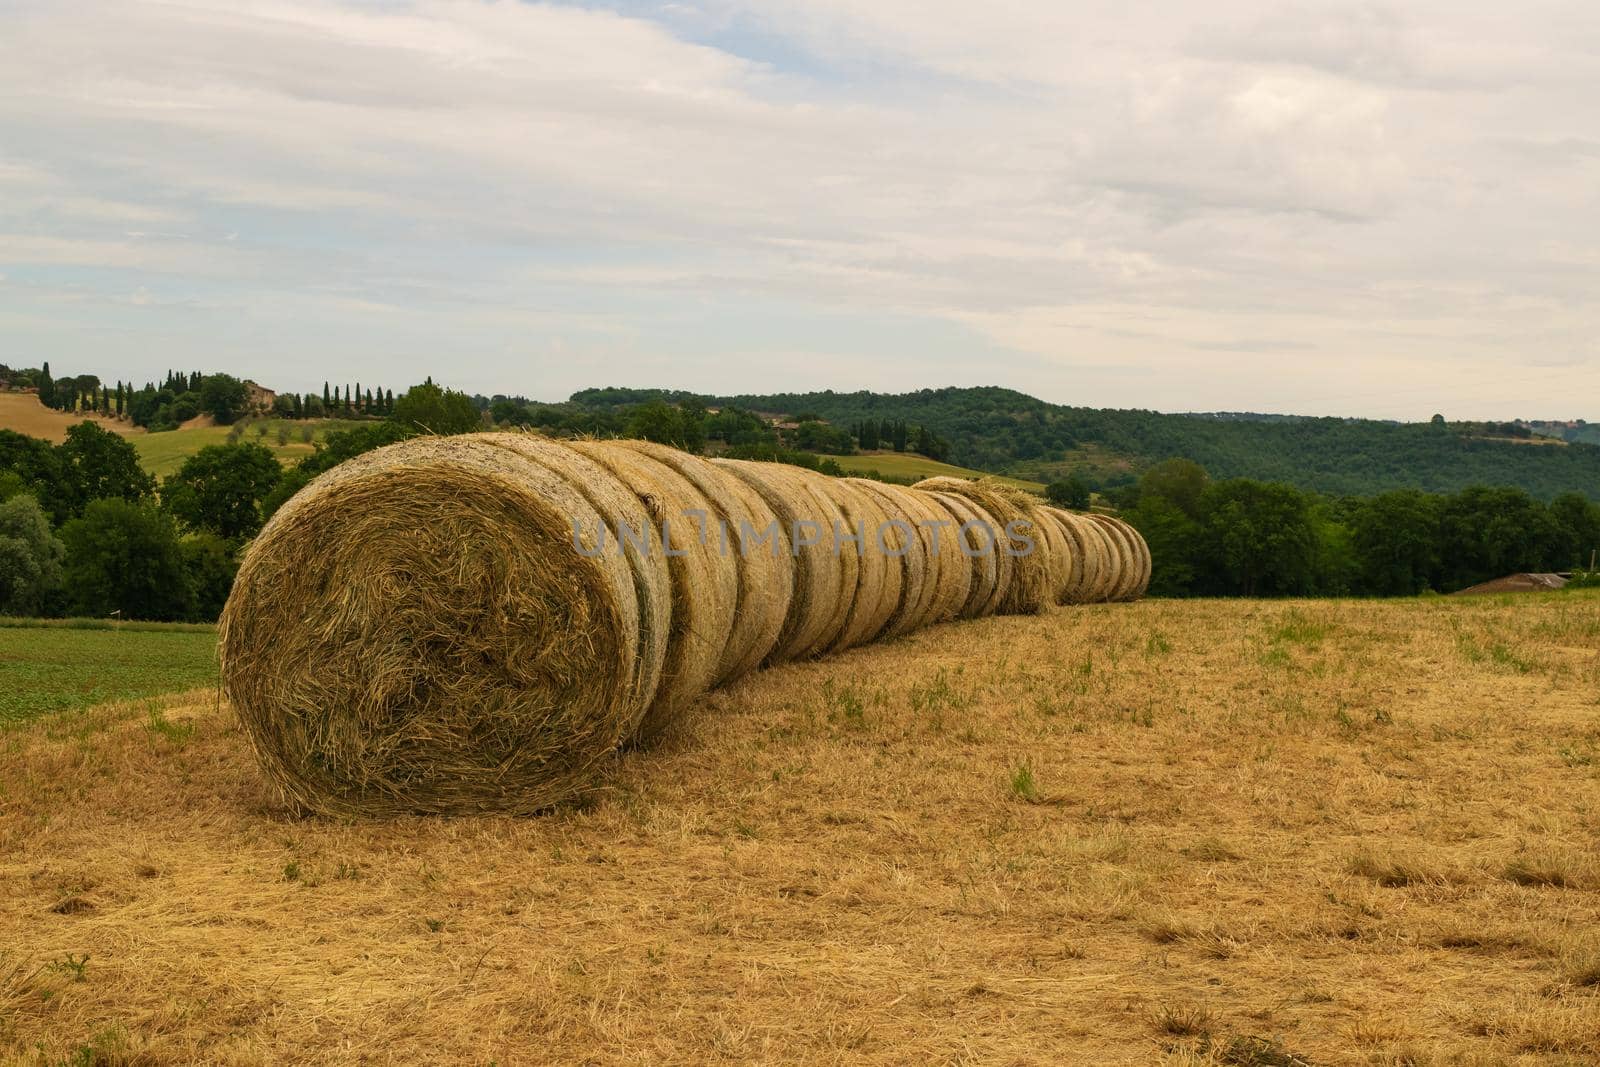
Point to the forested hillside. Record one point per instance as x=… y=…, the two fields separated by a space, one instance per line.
x=1005 y=431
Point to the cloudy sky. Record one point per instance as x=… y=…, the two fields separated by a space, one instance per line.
x=1385 y=210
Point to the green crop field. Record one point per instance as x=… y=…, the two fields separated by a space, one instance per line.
x=56 y=665
x=903 y=465
x=163 y=453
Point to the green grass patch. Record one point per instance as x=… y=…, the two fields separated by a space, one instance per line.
x=163 y=453
x=55 y=665
x=906 y=465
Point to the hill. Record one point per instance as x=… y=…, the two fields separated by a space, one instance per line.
x=23 y=413
x=1004 y=431
x=1289 y=832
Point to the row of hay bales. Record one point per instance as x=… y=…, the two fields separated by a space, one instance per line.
x=473 y=623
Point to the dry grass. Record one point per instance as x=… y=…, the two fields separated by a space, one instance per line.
x=23 y=413
x=1249 y=833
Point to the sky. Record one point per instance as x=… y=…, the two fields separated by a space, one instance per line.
x=1386 y=210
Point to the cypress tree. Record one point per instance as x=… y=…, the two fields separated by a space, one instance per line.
x=325 y=401
x=47 y=386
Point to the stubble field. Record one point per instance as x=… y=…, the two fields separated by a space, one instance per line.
x=1167 y=832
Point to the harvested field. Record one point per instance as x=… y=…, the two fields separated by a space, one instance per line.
x=23 y=413
x=1160 y=832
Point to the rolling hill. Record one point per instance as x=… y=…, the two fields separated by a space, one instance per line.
x=1007 y=432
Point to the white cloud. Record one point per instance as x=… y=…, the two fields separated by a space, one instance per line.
x=1142 y=205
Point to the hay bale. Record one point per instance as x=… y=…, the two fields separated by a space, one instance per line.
x=1110 y=560
x=416 y=632
x=1068 y=539
x=910 y=546
x=765 y=575
x=1123 y=572
x=982 y=558
x=705 y=583
x=1059 y=554
x=878 y=577
x=1086 y=554
x=952 y=570
x=1136 y=558
x=1024 y=570
x=822 y=579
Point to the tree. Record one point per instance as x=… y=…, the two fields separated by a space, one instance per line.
x=1072 y=492
x=1173 y=539
x=820 y=437
x=1395 y=537
x=327 y=403
x=98 y=464
x=1178 y=481
x=427 y=408
x=124 y=556
x=1580 y=517
x=867 y=434
x=47 y=386
x=36 y=466
x=30 y=557
x=1256 y=538
x=1489 y=532
x=658 y=421
x=223 y=396
x=220 y=488
x=506 y=412
x=210 y=564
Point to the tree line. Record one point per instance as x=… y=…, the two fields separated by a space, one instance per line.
x=1242 y=537
x=86 y=531
x=1007 y=432
x=182 y=395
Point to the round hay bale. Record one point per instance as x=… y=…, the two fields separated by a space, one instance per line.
x=953 y=571
x=1024 y=570
x=765 y=575
x=821 y=576
x=1122 y=552
x=1135 y=553
x=970 y=526
x=1086 y=555
x=416 y=631
x=1058 y=558
x=1073 y=549
x=877 y=573
x=620 y=507
x=1110 y=571
x=705 y=583
x=910 y=546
